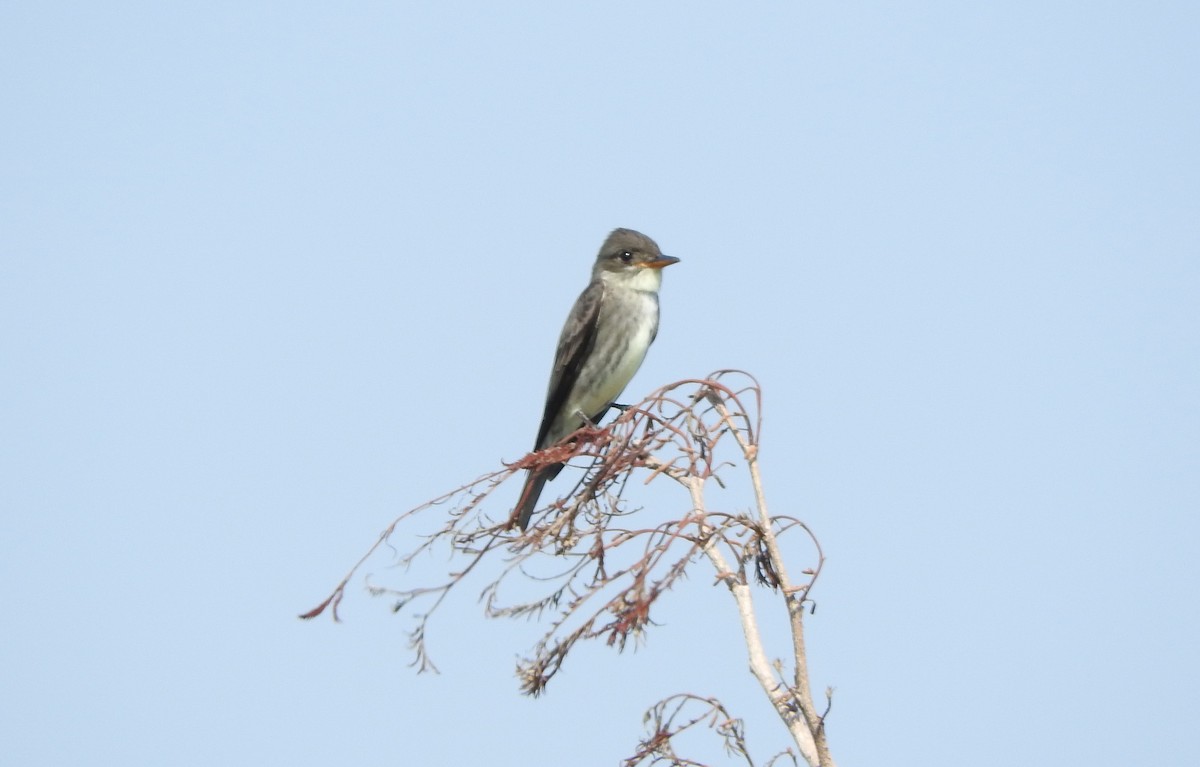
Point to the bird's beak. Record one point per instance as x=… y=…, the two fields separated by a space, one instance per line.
x=660 y=262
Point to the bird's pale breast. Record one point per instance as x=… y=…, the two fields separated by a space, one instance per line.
x=628 y=327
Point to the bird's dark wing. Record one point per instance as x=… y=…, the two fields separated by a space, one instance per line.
x=574 y=345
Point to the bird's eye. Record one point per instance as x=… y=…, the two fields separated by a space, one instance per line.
x=626 y=256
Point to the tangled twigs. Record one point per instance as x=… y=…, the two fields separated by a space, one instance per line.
x=596 y=575
x=676 y=715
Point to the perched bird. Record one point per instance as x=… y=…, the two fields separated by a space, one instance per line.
x=602 y=345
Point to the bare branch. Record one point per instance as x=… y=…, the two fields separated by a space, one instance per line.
x=598 y=576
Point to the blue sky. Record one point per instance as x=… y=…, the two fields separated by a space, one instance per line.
x=274 y=273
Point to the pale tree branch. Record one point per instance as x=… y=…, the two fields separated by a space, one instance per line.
x=597 y=576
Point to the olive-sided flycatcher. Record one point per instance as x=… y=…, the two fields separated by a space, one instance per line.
x=602 y=345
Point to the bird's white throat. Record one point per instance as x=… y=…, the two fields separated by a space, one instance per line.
x=644 y=279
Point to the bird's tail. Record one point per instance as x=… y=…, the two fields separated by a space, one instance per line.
x=529 y=496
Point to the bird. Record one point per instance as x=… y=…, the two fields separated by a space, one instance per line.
x=602 y=344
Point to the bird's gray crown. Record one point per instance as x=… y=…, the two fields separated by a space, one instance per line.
x=627 y=239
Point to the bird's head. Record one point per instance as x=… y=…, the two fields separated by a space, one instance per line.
x=630 y=253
